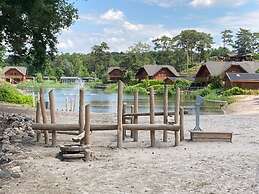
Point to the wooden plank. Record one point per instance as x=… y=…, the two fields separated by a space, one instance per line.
x=124 y=106
x=81 y=109
x=87 y=126
x=44 y=114
x=152 y=116
x=212 y=140
x=119 y=114
x=165 y=109
x=72 y=149
x=153 y=127
x=72 y=127
x=38 y=120
x=177 y=116
x=211 y=136
x=135 y=117
x=73 y=156
x=53 y=116
x=181 y=123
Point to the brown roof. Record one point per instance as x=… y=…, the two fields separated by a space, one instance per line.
x=110 y=69
x=217 y=68
x=22 y=70
x=153 y=69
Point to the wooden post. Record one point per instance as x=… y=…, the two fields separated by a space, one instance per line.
x=165 y=109
x=132 y=119
x=53 y=116
x=124 y=106
x=135 y=118
x=181 y=124
x=44 y=114
x=177 y=115
x=152 y=115
x=66 y=104
x=81 y=110
x=119 y=114
x=38 y=120
x=87 y=125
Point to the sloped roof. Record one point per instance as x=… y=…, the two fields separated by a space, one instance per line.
x=180 y=78
x=216 y=68
x=22 y=70
x=110 y=69
x=153 y=69
x=243 y=76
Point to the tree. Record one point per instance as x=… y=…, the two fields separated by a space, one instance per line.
x=164 y=43
x=30 y=28
x=246 y=42
x=227 y=38
x=100 y=59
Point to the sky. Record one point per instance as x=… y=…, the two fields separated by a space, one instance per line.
x=123 y=23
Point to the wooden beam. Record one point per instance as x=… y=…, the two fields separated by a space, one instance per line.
x=181 y=123
x=177 y=115
x=124 y=106
x=165 y=109
x=53 y=116
x=152 y=116
x=87 y=125
x=81 y=109
x=135 y=118
x=139 y=114
x=44 y=114
x=151 y=127
x=38 y=120
x=119 y=114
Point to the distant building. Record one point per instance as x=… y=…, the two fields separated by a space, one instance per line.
x=71 y=80
x=242 y=80
x=14 y=74
x=236 y=57
x=115 y=73
x=219 y=69
x=157 y=72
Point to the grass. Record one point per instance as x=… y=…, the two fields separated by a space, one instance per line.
x=46 y=84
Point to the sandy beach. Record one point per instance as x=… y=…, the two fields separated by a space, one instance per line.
x=192 y=167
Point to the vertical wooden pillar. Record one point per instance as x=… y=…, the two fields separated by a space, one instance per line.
x=124 y=106
x=67 y=104
x=81 y=110
x=53 y=116
x=132 y=119
x=135 y=118
x=87 y=125
x=38 y=120
x=165 y=108
x=44 y=114
x=181 y=124
x=119 y=114
x=152 y=115
x=177 y=115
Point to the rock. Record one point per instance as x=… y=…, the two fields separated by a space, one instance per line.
x=16 y=172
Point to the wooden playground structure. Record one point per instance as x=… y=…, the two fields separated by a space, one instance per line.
x=125 y=121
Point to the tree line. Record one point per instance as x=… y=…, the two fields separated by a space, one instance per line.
x=29 y=31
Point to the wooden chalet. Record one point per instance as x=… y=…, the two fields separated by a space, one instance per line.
x=242 y=80
x=115 y=73
x=14 y=74
x=219 y=69
x=157 y=72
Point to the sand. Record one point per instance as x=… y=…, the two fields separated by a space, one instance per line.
x=189 y=168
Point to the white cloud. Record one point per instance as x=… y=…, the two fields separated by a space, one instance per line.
x=208 y=3
x=164 y=3
x=112 y=15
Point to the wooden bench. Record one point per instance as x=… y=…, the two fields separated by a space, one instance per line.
x=200 y=136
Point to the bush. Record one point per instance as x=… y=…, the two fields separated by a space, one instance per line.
x=182 y=84
x=216 y=83
x=10 y=94
x=235 y=91
x=39 y=78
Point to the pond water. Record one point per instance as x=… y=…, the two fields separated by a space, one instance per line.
x=103 y=102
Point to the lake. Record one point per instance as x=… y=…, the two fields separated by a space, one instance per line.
x=103 y=102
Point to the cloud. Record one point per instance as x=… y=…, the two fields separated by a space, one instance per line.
x=112 y=15
x=247 y=20
x=194 y=3
x=208 y=3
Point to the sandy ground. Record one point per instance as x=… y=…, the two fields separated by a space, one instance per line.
x=137 y=168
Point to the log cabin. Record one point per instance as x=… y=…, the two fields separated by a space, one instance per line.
x=242 y=80
x=219 y=69
x=14 y=74
x=115 y=73
x=157 y=72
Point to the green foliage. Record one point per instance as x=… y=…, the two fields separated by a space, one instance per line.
x=215 y=83
x=227 y=38
x=235 y=91
x=182 y=84
x=32 y=31
x=39 y=78
x=10 y=94
x=46 y=84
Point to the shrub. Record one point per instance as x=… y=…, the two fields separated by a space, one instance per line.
x=182 y=84
x=39 y=77
x=235 y=91
x=10 y=94
x=216 y=83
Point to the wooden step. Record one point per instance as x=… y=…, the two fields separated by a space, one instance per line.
x=201 y=136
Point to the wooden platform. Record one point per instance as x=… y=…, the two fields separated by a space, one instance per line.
x=201 y=136
x=75 y=152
